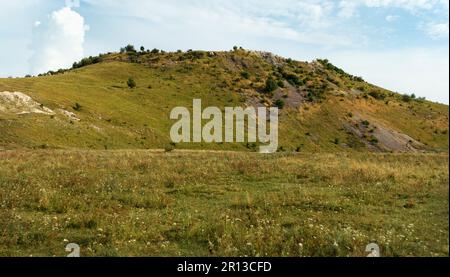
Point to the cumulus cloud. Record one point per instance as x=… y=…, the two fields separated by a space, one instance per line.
x=58 y=41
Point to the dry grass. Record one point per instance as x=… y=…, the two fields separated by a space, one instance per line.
x=140 y=203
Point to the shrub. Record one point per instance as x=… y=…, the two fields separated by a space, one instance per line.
x=170 y=147
x=77 y=107
x=280 y=104
x=377 y=94
x=373 y=140
x=271 y=85
x=155 y=51
x=252 y=146
x=245 y=74
x=131 y=83
x=291 y=78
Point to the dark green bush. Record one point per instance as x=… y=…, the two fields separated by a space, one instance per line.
x=131 y=83
x=271 y=85
x=245 y=74
x=77 y=107
x=280 y=104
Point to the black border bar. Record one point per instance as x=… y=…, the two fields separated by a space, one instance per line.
x=241 y=266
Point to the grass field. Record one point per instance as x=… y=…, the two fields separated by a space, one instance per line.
x=143 y=203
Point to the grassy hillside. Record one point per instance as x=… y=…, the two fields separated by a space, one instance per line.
x=75 y=165
x=324 y=108
x=138 y=203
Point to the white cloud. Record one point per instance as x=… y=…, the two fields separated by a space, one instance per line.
x=58 y=41
x=404 y=4
x=308 y=21
x=347 y=8
x=391 y=18
x=436 y=30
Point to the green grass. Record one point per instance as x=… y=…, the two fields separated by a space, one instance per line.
x=143 y=203
x=97 y=183
x=114 y=116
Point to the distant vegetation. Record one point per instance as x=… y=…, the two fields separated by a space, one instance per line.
x=341 y=72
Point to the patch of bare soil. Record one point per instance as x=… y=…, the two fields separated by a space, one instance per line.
x=381 y=138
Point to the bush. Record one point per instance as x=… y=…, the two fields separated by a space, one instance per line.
x=292 y=79
x=373 y=140
x=280 y=104
x=245 y=74
x=377 y=94
x=271 y=85
x=77 y=107
x=170 y=147
x=131 y=83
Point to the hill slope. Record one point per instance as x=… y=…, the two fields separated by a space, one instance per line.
x=324 y=108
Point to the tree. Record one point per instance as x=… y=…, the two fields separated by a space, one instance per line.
x=131 y=83
x=142 y=48
x=406 y=98
x=130 y=48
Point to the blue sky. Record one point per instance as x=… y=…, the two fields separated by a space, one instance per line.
x=398 y=44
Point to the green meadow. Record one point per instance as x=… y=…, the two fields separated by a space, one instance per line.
x=188 y=203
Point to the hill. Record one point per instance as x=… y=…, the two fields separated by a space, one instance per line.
x=324 y=108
